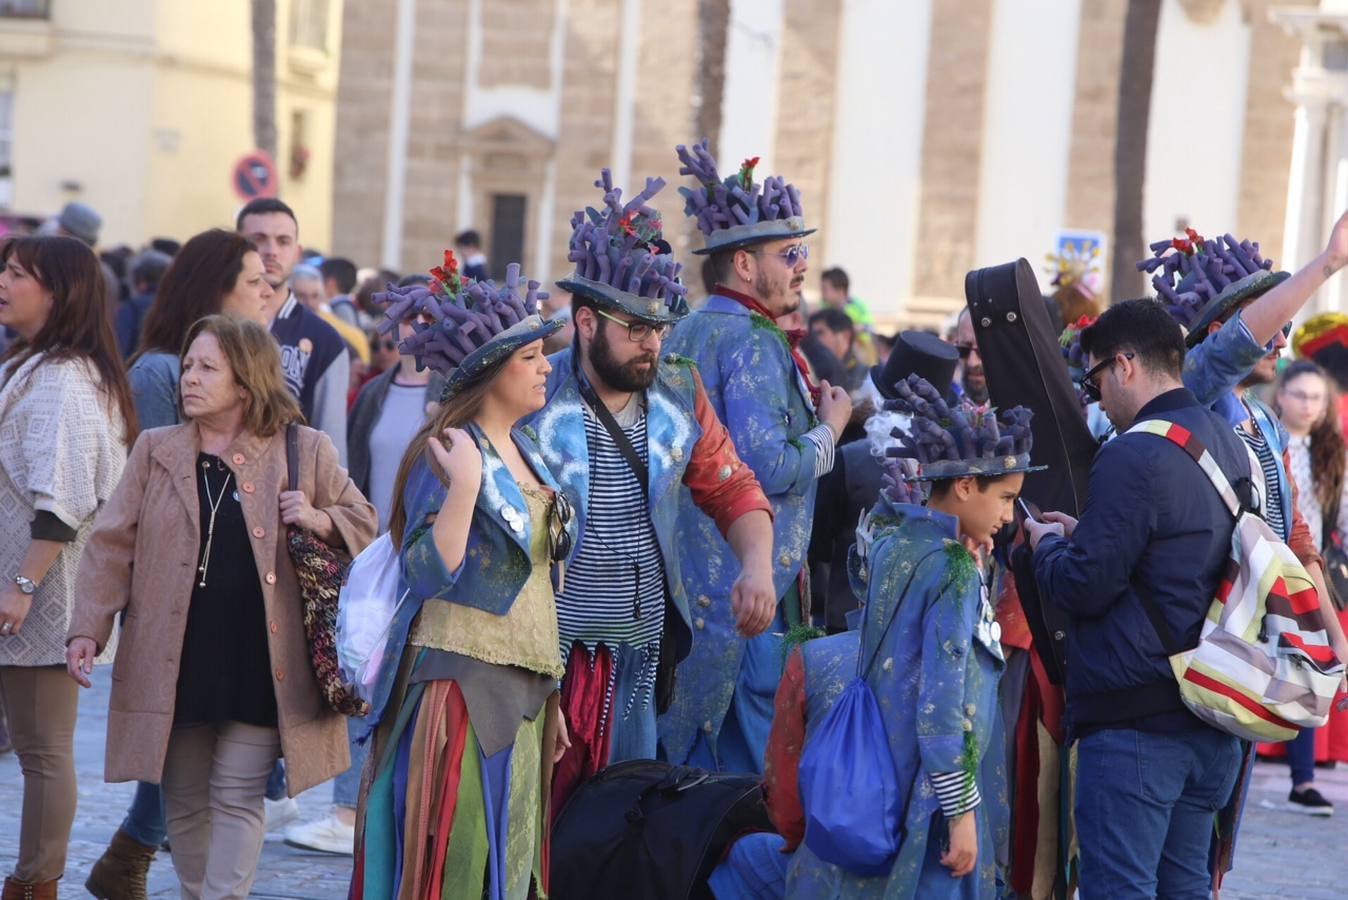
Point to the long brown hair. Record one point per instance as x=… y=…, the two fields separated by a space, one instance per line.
x=256 y=363
x=1327 y=447
x=78 y=325
x=456 y=412
x=195 y=285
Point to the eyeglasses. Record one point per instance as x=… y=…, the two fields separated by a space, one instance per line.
x=638 y=331
x=792 y=255
x=965 y=349
x=1286 y=333
x=386 y=345
x=1087 y=381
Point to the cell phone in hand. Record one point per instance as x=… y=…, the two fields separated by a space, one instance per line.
x=1029 y=516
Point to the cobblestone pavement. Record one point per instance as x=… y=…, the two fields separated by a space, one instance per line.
x=1281 y=853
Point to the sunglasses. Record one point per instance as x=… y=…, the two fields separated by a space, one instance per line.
x=965 y=349
x=386 y=345
x=638 y=331
x=792 y=255
x=1286 y=334
x=1087 y=381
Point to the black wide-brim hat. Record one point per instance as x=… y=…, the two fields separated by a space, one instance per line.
x=739 y=236
x=521 y=334
x=655 y=310
x=1236 y=292
x=916 y=353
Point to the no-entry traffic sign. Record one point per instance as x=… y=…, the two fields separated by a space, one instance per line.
x=254 y=176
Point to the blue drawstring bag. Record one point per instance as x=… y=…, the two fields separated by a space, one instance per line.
x=853 y=795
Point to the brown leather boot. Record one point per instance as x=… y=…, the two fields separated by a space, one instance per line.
x=120 y=872
x=27 y=890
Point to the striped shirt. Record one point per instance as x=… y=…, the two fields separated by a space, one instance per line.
x=1272 y=512
x=614 y=592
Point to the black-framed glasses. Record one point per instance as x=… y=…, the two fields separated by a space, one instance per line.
x=1087 y=381
x=965 y=349
x=792 y=255
x=638 y=331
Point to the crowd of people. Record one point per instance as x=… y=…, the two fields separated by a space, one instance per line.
x=725 y=534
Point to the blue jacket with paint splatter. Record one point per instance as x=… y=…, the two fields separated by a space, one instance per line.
x=752 y=382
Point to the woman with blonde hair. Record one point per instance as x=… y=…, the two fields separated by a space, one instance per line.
x=468 y=725
x=214 y=680
x=66 y=420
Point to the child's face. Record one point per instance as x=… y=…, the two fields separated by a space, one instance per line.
x=984 y=511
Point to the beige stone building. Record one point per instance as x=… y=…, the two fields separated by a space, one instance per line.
x=141 y=108
x=927 y=137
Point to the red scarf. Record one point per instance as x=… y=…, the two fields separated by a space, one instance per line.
x=793 y=335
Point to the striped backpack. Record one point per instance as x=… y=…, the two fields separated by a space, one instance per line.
x=1263 y=667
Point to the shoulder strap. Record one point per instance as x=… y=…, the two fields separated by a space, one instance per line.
x=601 y=412
x=864 y=670
x=292 y=456
x=1185 y=440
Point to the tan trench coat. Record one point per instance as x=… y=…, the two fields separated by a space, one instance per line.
x=142 y=558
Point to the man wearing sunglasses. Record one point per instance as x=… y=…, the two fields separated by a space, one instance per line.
x=972 y=377
x=633 y=439
x=784 y=428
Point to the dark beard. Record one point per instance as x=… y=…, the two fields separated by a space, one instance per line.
x=624 y=377
x=977 y=396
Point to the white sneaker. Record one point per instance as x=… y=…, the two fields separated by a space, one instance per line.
x=328 y=834
x=281 y=813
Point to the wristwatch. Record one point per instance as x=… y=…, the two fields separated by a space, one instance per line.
x=26 y=585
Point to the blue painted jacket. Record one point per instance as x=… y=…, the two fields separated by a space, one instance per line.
x=935 y=675
x=755 y=389
x=1213 y=369
x=684 y=447
x=495 y=565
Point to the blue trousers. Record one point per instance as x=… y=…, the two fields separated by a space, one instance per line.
x=1144 y=810
x=1301 y=756
x=744 y=731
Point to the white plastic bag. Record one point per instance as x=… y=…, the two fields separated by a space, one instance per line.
x=365 y=610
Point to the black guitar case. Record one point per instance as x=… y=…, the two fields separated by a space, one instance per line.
x=1025 y=367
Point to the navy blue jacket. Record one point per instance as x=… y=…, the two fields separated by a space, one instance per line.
x=1153 y=515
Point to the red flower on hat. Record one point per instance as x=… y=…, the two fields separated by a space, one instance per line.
x=1189 y=245
x=747 y=172
x=446 y=275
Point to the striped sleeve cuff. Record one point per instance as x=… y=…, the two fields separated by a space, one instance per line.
x=822 y=438
x=957 y=791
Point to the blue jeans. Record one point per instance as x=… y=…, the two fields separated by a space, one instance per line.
x=1144 y=810
x=1301 y=756
x=346 y=786
x=144 y=822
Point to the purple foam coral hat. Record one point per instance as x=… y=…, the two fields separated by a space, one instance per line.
x=462 y=329
x=622 y=261
x=1200 y=281
x=736 y=212
x=960 y=442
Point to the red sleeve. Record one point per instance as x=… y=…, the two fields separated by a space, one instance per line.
x=781 y=760
x=723 y=487
x=1300 y=541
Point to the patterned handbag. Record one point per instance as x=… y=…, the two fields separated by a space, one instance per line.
x=320 y=569
x=1263 y=667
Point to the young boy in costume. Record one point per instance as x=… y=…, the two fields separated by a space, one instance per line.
x=935 y=668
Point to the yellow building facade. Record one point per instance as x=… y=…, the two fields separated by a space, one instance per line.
x=141 y=108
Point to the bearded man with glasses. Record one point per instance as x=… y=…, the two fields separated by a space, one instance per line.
x=785 y=429
x=634 y=441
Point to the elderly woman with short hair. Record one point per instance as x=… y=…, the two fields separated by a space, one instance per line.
x=214 y=680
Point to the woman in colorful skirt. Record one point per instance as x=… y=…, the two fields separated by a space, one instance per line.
x=468 y=728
